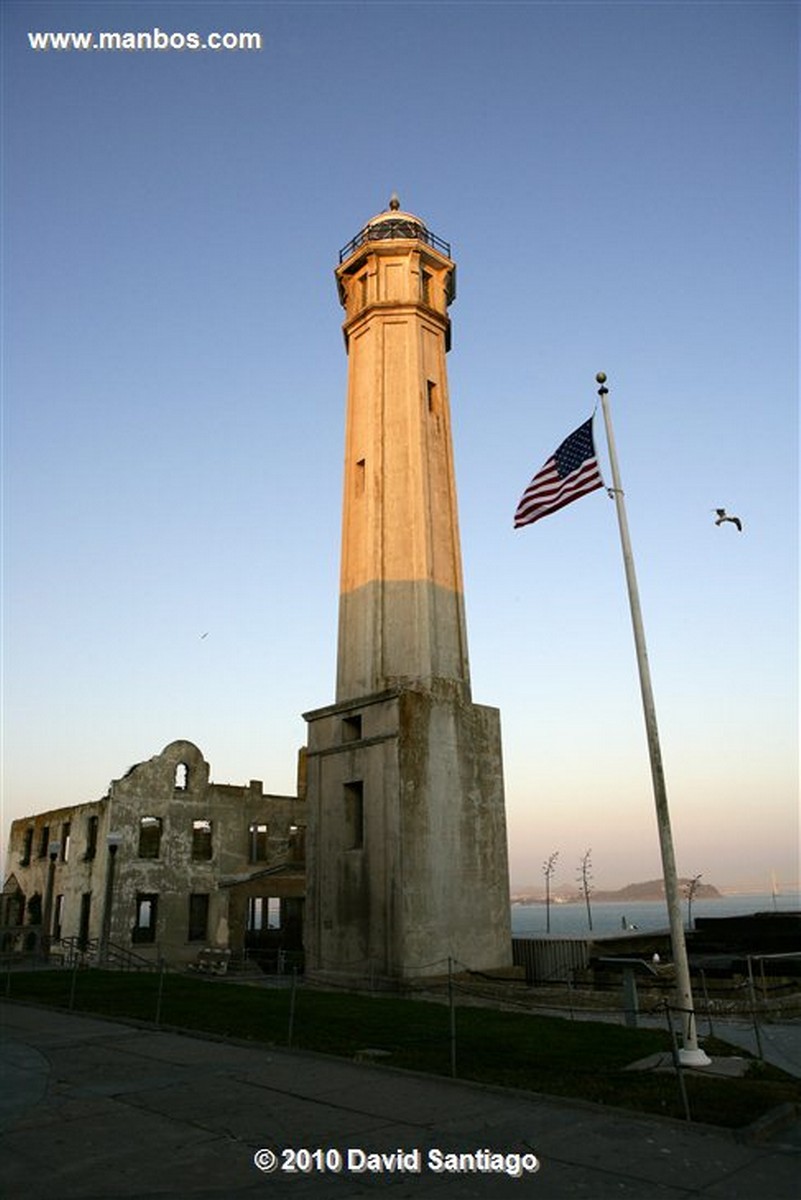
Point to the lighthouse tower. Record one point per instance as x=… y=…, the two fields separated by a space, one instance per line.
x=406 y=850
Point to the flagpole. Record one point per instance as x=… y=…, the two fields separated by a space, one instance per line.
x=691 y=1054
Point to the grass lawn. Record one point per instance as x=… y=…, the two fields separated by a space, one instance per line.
x=558 y=1057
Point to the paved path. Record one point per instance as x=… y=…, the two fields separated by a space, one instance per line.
x=99 y=1110
x=779 y=1041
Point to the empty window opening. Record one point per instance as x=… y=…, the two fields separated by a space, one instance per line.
x=425 y=287
x=27 y=847
x=149 y=837
x=354 y=815
x=44 y=841
x=297 y=843
x=257 y=836
x=360 y=477
x=144 y=929
x=12 y=909
x=352 y=728
x=256 y=914
x=264 y=912
x=181 y=777
x=362 y=288
x=433 y=397
x=34 y=907
x=65 y=841
x=83 y=922
x=198 y=916
x=91 y=838
x=201 y=840
x=58 y=917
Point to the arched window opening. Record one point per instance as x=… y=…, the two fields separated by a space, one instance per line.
x=181 y=777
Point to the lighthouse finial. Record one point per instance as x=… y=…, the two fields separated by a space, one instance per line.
x=394 y=202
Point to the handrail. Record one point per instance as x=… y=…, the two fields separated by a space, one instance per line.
x=88 y=951
x=401 y=228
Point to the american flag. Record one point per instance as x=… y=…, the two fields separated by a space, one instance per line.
x=570 y=472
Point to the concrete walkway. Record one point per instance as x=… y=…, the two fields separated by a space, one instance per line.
x=95 y=1110
x=777 y=1043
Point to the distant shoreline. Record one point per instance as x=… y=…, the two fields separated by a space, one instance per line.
x=522 y=896
x=651 y=889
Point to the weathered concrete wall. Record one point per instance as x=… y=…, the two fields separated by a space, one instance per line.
x=81 y=873
x=428 y=881
x=349 y=925
x=453 y=831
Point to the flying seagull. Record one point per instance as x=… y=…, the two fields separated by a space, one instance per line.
x=721 y=517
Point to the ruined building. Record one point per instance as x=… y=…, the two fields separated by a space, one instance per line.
x=406 y=855
x=165 y=865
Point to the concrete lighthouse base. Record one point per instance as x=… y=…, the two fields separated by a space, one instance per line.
x=407 y=870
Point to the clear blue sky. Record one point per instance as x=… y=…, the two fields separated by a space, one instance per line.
x=619 y=185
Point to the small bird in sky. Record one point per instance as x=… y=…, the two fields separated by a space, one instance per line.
x=204 y=635
x=722 y=516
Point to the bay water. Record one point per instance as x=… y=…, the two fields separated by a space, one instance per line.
x=612 y=916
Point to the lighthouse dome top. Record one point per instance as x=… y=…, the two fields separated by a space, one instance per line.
x=394 y=225
x=394 y=217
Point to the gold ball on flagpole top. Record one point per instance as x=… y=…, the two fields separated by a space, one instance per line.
x=600 y=377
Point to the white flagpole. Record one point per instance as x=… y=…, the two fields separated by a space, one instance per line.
x=691 y=1054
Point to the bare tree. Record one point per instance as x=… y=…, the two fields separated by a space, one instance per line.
x=690 y=888
x=548 y=868
x=584 y=879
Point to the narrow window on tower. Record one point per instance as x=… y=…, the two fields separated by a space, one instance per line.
x=354 y=815
x=360 y=477
x=425 y=287
x=352 y=728
x=362 y=286
x=433 y=397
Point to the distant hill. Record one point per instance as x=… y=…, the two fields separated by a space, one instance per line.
x=654 y=889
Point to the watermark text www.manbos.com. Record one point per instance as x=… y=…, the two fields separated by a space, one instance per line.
x=356 y=1161
x=143 y=41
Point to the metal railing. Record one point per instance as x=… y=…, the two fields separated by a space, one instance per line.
x=86 y=952
x=402 y=229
